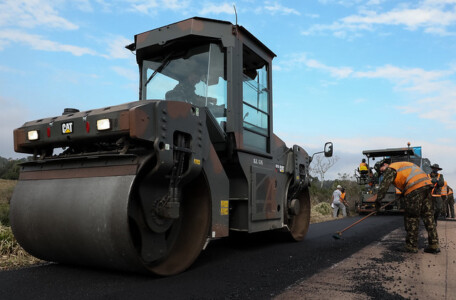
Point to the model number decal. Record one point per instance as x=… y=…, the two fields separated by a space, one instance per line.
x=257 y=161
x=67 y=128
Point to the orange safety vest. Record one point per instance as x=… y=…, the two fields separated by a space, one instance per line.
x=409 y=177
x=433 y=194
x=342 y=197
x=444 y=189
x=363 y=167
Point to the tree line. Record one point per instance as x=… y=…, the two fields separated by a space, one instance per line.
x=9 y=168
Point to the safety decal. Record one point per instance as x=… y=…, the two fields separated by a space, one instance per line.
x=280 y=168
x=197 y=161
x=224 y=207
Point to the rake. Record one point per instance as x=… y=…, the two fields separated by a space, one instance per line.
x=338 y=234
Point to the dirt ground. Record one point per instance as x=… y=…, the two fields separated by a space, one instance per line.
x=380 y=271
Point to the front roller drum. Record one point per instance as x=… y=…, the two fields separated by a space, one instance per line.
x=99 y=221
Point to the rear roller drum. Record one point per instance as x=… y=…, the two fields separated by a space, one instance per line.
x=298 y=214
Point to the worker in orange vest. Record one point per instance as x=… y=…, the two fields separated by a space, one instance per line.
x=437 y=182
x=343 y=199
x=415 y=186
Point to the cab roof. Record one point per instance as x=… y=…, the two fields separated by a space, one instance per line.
x=196 y=27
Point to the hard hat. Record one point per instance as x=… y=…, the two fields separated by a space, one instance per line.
x=339 y=186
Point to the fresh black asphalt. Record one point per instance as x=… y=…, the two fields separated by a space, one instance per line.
x=257 y=266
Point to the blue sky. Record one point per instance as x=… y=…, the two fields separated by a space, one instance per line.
x=364 y=74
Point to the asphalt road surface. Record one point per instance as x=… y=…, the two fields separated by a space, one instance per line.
x=258 y=266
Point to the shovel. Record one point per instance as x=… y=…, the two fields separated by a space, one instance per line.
x=338 y=234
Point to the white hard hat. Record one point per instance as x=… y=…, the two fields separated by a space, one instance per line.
x=339 y=186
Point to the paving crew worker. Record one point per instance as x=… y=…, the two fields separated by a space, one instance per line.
x=437 y=182
x=336 y=202
x=450 y=201
x=415 y=186
x=343 y=199
x=363 y=169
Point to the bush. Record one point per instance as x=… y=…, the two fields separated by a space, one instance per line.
x=318 y=194
x=323 y=208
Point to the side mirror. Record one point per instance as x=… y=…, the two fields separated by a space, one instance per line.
x=328 y=149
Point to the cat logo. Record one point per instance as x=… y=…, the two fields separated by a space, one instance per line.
x=67 y=127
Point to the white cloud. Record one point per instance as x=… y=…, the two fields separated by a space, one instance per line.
x=83 y=5
x=432 y=92
x=225 y=8
x=402 y=76
x=432 y=16
x=39 y=43
x=116 y=47
x=152 y=7
x=410 y=18
x=276 y=8
x=32 y=13
x=301 y=59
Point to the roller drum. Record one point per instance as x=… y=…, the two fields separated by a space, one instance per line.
x=76 y=221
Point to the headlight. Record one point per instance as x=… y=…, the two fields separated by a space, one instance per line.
x=103 y=124
x=33 y=135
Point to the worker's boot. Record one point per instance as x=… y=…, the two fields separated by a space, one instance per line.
x=432 y=249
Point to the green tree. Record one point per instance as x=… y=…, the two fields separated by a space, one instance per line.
x=9 y=168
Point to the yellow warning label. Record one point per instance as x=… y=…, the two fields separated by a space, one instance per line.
x=196 y=161
x=224 y=204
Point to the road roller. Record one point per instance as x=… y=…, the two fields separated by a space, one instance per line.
x=146 y=185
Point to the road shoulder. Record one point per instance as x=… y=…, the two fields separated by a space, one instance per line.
x=381 y=271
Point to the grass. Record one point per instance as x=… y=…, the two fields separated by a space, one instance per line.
x=11 y=254
x=321 y=212
x=6 y=190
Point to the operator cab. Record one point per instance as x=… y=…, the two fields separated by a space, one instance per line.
x=213 y=65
